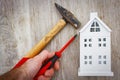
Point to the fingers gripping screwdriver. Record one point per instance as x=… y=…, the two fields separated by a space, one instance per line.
x=50 y=63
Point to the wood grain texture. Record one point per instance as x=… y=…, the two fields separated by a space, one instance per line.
x=24 y=22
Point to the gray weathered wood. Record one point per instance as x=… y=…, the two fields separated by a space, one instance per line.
x=24 y=22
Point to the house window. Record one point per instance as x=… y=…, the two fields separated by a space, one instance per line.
x=85 y=40
x=93 y=24
x=85 y=45
x=85 y=57
x=90 y=45
x=88 y=59
x=104 y=45
x=102 y=59
x=99 y=62
x=90 y=62
x=95 y=27
x=101 y=42
x=99 y=39
x=99 y=57
x=104 y=62
x=90 y=40
x=104 y=39
x=91 y=29
x=85 y=62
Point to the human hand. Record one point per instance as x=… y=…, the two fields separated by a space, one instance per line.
x=30 y=68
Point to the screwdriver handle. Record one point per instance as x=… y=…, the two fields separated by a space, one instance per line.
x=49 y=64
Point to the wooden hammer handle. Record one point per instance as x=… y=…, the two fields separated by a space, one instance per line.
x=46 y=39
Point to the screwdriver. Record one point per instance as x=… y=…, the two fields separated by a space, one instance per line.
x=50 y=63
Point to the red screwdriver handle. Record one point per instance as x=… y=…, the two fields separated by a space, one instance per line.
x=42 y=70
x=49 y=64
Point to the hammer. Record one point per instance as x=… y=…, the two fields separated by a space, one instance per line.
x=68 y=17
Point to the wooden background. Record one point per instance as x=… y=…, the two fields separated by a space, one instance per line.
x=24 y=22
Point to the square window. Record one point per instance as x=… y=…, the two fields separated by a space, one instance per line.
x=104 y=62
x=90 y=45
x=99 y=39
x=99 y=45
x=99 y=57
x=85 y=45
x=90 y=57
x=90 y=62
x=85 y=57
x=104 y=39
x=90 y=40
x=97 y=29
x=104 y=45
x=85 y=40
x=99 y=62
x=104 y=57
x=91 y=29
x=85 y=62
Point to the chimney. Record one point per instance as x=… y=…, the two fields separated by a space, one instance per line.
x=93 y=15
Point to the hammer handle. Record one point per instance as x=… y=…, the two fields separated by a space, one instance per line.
x=46 y=39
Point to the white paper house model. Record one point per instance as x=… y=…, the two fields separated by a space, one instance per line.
x=95 y=48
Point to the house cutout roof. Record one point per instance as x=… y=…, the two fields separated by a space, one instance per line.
x=94 y=16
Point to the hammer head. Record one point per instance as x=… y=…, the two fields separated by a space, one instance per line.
x=68 y=16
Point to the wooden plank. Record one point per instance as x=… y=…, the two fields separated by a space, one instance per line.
x=7 y=42
x=24 y=22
